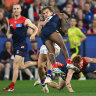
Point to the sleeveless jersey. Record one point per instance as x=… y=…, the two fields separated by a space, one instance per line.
x=18 y=30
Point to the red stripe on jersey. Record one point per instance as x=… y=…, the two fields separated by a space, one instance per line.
x=13 y=22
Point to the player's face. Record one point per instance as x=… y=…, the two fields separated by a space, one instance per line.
x=81 y=64
x=47 y=13
x=16 y=10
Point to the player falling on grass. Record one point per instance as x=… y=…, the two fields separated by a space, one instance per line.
x=78 y=64
x=17 y=29
x=42 y=61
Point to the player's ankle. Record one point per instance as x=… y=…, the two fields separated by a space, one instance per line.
x=12 y=84
x=43 y=82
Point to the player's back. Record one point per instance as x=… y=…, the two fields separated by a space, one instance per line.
x=18 y=30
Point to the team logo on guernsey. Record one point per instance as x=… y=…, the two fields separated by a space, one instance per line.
x=18 y=25
x=17 y=52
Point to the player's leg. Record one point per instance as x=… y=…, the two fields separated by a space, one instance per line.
x=41 y=64
x=16 y=63
x=51 y=50
x=28 y=64
x=57 y=38
x=60 y=85
x=41 y=71
x=7 y=71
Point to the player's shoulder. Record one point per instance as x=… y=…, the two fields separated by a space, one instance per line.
x=11 y=19
x=23 y=18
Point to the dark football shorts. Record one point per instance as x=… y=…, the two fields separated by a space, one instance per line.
x=21 y=50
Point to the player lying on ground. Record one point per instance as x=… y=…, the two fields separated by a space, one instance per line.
x=42 y=61
x=78 y=64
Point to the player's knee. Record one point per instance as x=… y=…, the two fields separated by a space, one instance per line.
x=22 y=67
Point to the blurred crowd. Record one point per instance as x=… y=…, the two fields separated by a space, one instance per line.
x=83 y=10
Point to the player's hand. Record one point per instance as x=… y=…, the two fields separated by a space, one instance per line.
x=32 y=38
x=71 y=91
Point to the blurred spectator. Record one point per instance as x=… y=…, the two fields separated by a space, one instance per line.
x=7 y=58
x=34 y=53
x=25 y=7
x=7 y=12
x=88 y=15
x=81 y=27
x=81 y=4
x=60 y=4
x=54 y=6
x=92 y=30
x=9 y=3
x=91 y=4
x=29 y=1
x=80 y=16
x=43 y=3
x=34 y=11
x=69 y=9
x=74 y=6
x=3 y=26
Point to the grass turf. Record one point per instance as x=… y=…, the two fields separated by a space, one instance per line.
x=26 y=88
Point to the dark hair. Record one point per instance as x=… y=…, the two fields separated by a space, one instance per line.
x=76 y=60
x=5 y=45
x=48 y=7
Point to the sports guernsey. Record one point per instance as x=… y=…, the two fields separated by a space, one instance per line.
x=50 y=27
x=71 y=66
x=19 y=33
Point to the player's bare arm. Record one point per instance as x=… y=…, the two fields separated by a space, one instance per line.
x=9 y=35
x=68 y=79
x=90 y=60
x=35 y=29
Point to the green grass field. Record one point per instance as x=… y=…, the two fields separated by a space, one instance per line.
x=26 y=88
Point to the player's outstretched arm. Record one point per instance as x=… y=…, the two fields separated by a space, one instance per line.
x=32 y=26
x=39 y=29
x=68 y=79
x=90 y=60
x=8 y=34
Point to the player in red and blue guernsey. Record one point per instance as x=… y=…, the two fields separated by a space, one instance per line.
x=17 y=29
x=78 y=64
